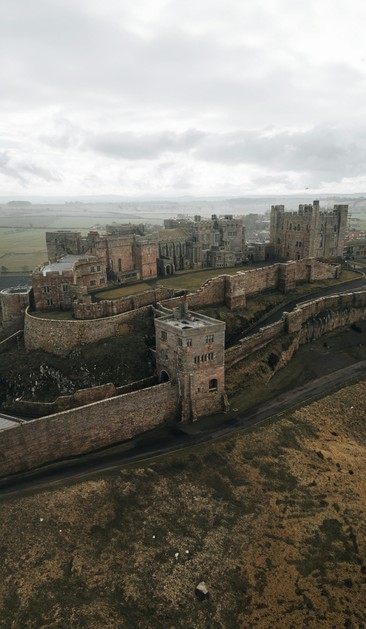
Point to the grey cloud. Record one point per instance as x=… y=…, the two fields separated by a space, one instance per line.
x=133 y=146
x=24 y=172
x=327 y=151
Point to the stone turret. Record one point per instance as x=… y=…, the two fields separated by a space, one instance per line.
x=190 y=350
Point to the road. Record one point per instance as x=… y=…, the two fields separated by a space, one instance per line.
x=160 y=442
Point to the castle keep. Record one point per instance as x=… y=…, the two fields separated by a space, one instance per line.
x=309 y=232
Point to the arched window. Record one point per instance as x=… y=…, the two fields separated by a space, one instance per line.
x=119 y=264
x=212 y=386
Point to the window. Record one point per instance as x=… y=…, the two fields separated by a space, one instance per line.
x=92 y=282
x=189 y=343
x=212 y=385
x=163 y=335
x=65 y=287
x=46 y=289
x=119 y=264
x=92 y=269
x=49 y=302
x=180 y=342
x=164 y=354
x=210 y=338
x=102 y=280
x=99 y=268
x=203 y=358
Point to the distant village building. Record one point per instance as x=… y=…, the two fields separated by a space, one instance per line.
x=190 y=350
x=308 y=233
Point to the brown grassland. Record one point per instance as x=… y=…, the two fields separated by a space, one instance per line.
x=271 y=519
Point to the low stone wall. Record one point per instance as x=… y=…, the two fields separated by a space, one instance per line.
x=13 y=339
x=112 y=307
x=251 y=344
x=305 y=323
x=29 y=408
x=85 y=429
x=60 y=336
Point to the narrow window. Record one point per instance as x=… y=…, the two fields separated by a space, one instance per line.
x=119 y=264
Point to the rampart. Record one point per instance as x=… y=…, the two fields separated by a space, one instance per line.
x=61 y=336
x=121 y=417
x=31 y=408
x=112 y=307
x=307 y=322
x=87 y=428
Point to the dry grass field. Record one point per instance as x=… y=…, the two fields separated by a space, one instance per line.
x=272 y=520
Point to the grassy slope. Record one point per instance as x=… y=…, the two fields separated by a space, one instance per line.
x=272 y=522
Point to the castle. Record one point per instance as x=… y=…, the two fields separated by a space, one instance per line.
x=309 y=232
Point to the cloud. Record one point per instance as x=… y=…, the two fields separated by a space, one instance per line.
x=24 y=173
x=250 y=93
x=143 y=146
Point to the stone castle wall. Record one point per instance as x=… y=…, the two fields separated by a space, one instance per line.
x=118 y=418
x=112 y=307
x=305 y=323
x=77 y=431
x=60 y=336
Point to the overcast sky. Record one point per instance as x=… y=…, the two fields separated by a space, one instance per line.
x=181 y=97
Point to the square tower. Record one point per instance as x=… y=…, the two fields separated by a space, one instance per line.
x=190 y=350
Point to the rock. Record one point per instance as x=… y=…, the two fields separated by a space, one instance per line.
x=201 y=591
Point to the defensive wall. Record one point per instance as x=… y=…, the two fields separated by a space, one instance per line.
x=60 y=336
x=98 y=320
x=121 y=417
x=31 y=408
x=87 y=428
x=111 y=307
x=307 y=322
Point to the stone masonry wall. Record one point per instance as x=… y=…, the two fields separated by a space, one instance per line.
x=61 y=336
x=307 y=322
x=85 y=429
x=111 y=307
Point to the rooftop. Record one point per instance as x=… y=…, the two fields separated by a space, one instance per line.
x=66 y=263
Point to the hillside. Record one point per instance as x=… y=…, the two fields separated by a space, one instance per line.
x=271 y=520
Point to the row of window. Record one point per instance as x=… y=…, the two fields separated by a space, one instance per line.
x=94 y=282
x=95 y=270
x=203 y=358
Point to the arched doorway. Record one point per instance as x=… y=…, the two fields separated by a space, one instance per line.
x=164 y=376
